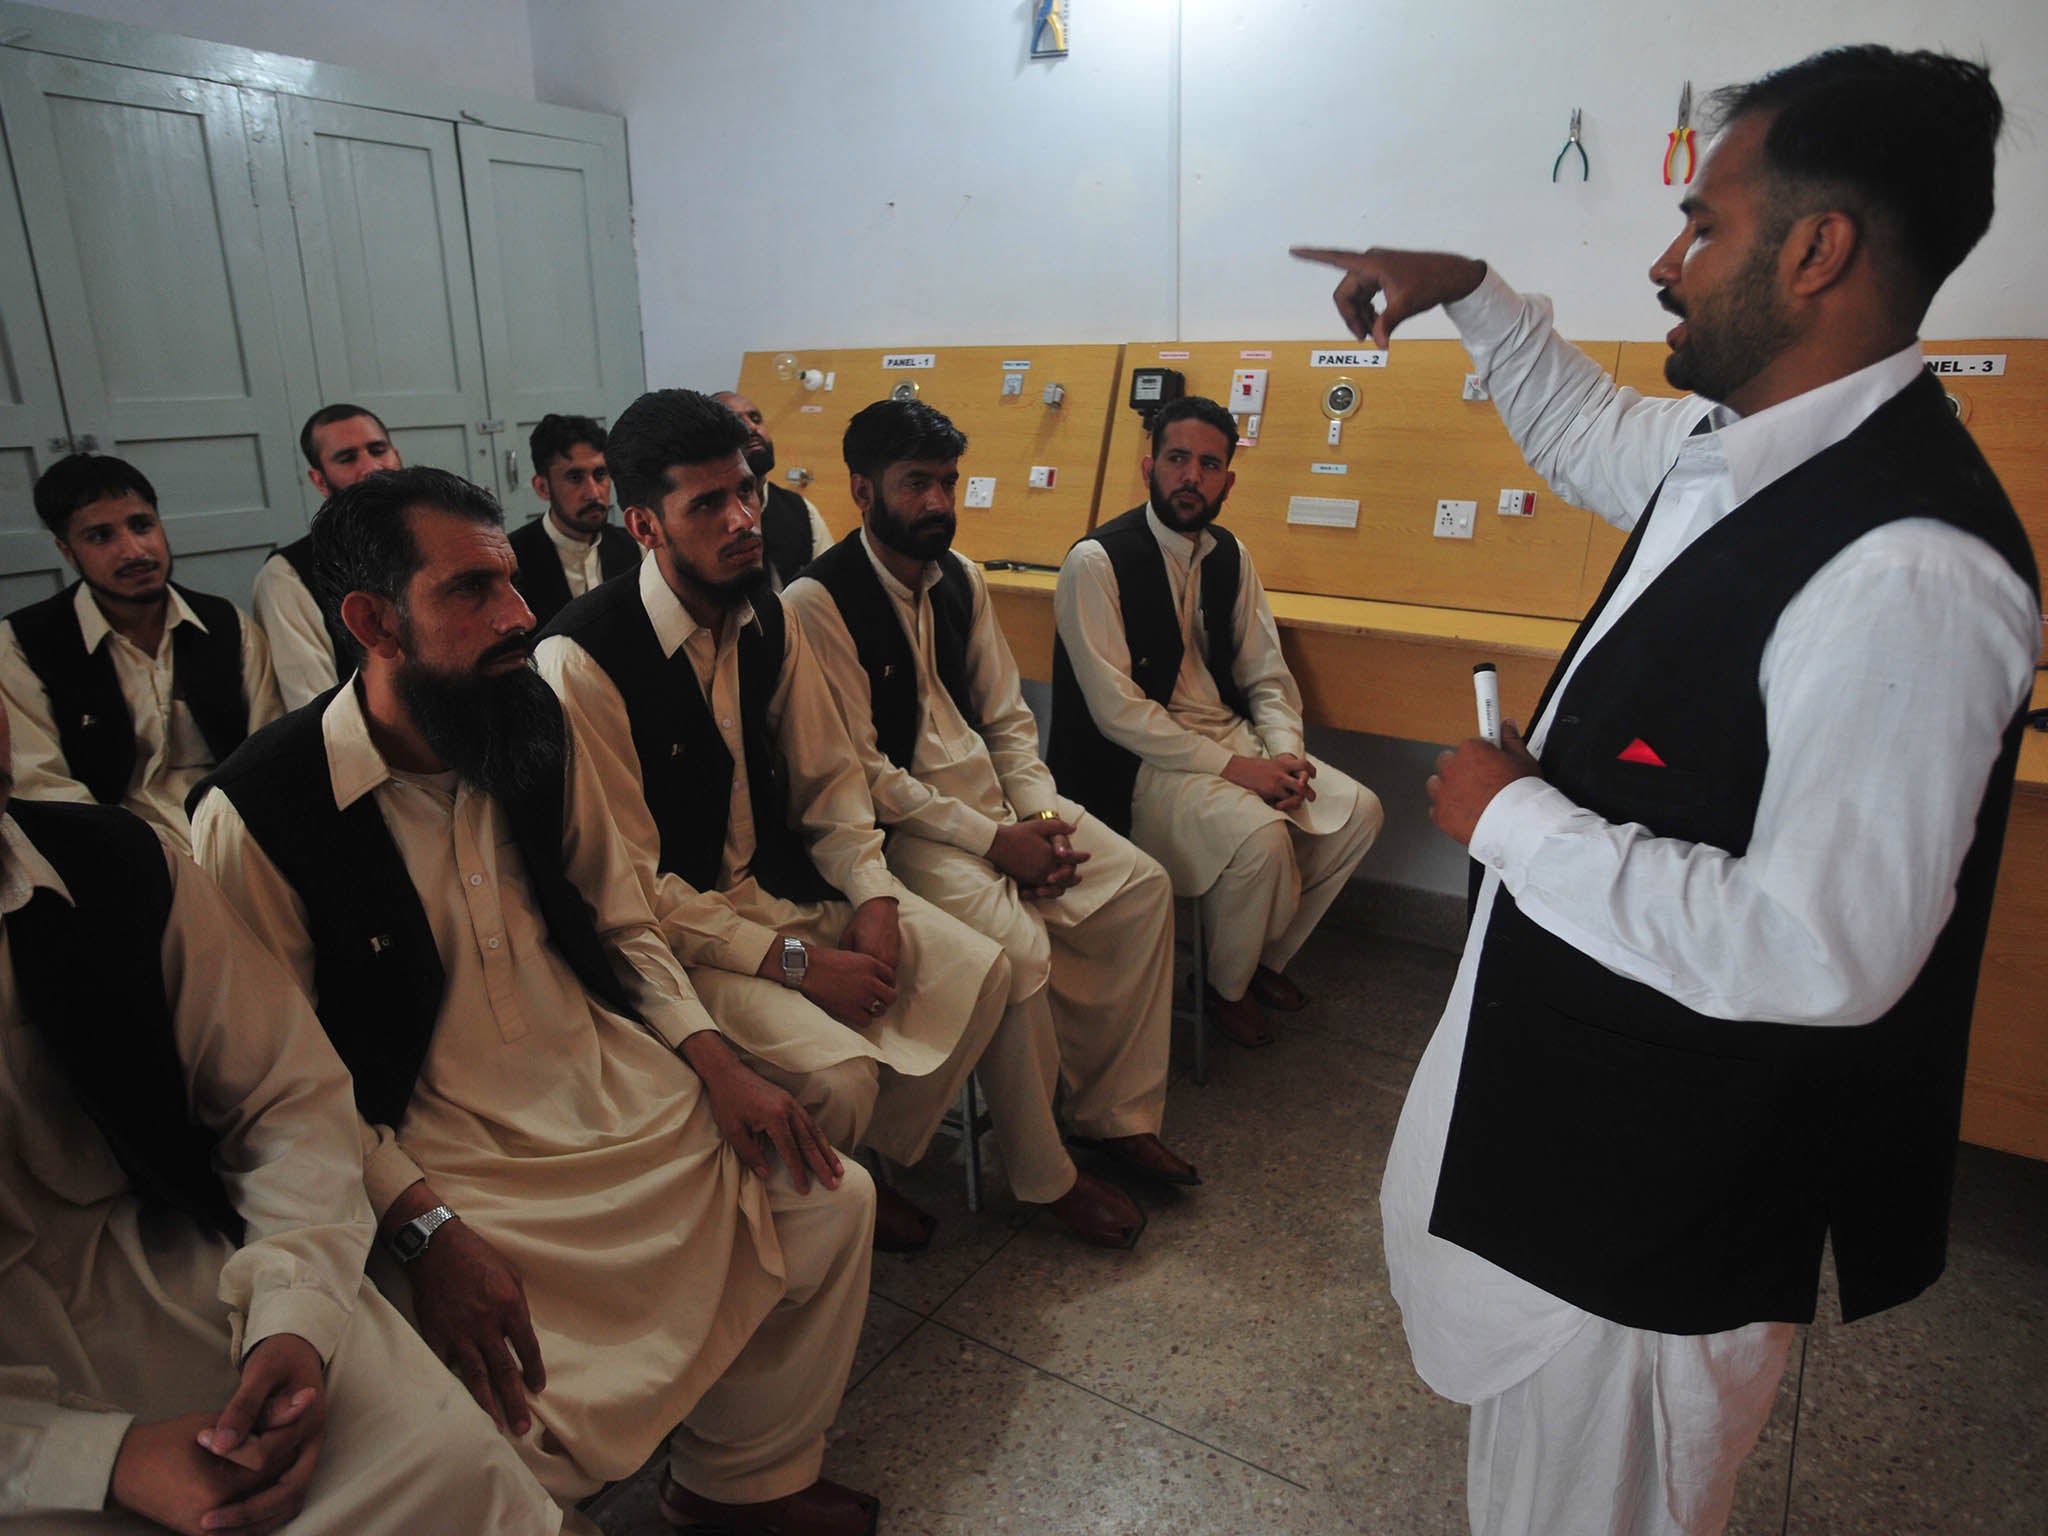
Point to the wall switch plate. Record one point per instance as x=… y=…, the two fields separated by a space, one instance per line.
x=1517 y=504
x=981 y=491
x=1043 y=477
x=1474 y=389
x=1013 y=385
x=1455 y=519
x=1248 y=391
x=1336 y=433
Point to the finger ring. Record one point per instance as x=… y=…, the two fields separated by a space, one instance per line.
x=875 y=1006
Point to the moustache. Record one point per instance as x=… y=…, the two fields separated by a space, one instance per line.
x=1664 y=298
x=742 y=544
x=519 y=646
x=137 y=568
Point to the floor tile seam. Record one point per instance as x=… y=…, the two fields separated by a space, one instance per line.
x=965 y=1280
x=881 y=1359
x=1136 y=1413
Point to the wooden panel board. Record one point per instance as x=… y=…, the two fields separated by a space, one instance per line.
x=1006 y=436
x=2005 y=1094
x=1414 y=440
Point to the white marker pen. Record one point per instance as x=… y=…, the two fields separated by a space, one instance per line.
x=1486 y=684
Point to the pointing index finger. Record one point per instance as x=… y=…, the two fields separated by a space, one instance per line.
x=1328 y=255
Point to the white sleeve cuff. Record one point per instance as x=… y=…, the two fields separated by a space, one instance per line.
x=1516 y=823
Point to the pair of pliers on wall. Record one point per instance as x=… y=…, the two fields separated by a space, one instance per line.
x=1571 y=143
x=1047 y=18
x=1681 y=137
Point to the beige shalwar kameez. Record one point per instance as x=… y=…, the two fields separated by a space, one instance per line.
x=1091 y=971
x=667 y=1286
x=289 y=615
x=887 y=1085
x=1265 y=877
x=170 y=753
x=111 y=1316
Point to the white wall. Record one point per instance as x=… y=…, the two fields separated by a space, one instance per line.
x=808 y=172
x=483 y=45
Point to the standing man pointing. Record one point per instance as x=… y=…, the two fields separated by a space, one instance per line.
x=1715 y=1002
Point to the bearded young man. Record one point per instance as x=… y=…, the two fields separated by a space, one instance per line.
x=930 y=694
x=573 y=545
x=587 y=1227
x=125 y=688
x=1176 y=720
x=1715 y=1002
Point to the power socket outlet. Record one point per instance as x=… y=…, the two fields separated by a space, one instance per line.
x=1455 y=519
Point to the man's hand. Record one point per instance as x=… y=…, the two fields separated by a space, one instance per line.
x=853 y=988
x=1466 y=780
x=163 y=1473
x=273 y=1427
x=1038 y=855
x=751 y=1110
x=1413 y=281
x=1282 y=782
x=471 y=1309
x=874 y=930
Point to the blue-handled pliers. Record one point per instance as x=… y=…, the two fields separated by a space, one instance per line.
x=1570 y=144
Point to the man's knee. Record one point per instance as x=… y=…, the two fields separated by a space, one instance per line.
x=1266 y=854
x=841 y=1098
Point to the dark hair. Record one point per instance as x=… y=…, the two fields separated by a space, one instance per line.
x=362 y=540
x=553 y=437
x=327 y=416
x=890 y=431
x=1194 y=408
x=79 y=480
x=1905 y=142
x=665 y=428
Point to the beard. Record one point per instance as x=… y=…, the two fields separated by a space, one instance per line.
x=760 y=461
x=1732 y=334
x=1184 y=521
x=501 y=733
x=913 y=538
x=719 y=592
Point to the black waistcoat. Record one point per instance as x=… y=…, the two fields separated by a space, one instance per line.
x=341 y=645
x=1675 y=1172
x=1087 y=764
x=543 y=582
x=93 y=724
x=378 y=979
x=90 y=976
x=685 y=769
x=845 y=571
x=785 y=533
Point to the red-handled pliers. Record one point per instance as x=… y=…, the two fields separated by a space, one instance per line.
x=1681 y=137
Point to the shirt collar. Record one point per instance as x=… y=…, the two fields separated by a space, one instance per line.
x=1179 y=548
x=1763 y=448
x=354 y=765
x=25 y=871
x=672 y=623
x=576 y=549
x=93 y=626
x=928 y=576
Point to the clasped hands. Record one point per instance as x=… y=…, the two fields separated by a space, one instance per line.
x=1039 y=854
x=1283 y=781
x=244 y=1469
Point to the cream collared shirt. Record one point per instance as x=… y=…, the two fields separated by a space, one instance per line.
x=1193 y=732
x=962 y=784
x=513 y=1016
x=170 y=754
x=580 y=563
x=289 y=616
x=78 y=1273
x=828 y=798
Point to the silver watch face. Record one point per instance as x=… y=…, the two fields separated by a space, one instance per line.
x=796 y=962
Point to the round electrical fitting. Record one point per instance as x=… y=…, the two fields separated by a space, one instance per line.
x=906 y=389
x=811 y=378
x=1960 y=404
x=1341 y=400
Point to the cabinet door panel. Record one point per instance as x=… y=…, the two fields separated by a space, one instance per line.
x=32 y=429
x=140 y=194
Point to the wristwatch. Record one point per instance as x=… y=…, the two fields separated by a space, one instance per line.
x=796 y=963
x=1043 y=816
x=410 y=1240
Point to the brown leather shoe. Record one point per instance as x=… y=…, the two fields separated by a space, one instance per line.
x=900 y=1227
x=1145 y=1154
x=1241 y=1022
x=823 y=1509
x=1099 y=1213
x=1276 y=991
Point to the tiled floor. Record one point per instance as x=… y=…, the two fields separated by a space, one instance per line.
x=1244 y=1370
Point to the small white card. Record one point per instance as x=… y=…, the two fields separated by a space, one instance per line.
x=1329 y=469
x=1360 y=357
x=894 y=360
x=1322 y=511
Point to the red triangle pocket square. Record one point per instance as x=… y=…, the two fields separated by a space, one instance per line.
x=1640 y=751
